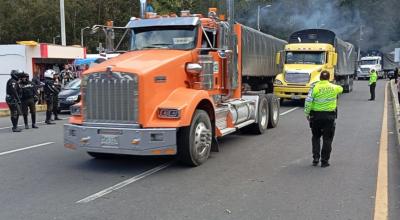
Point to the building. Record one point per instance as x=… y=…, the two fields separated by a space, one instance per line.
x=35 y=59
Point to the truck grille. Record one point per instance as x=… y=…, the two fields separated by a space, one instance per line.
x=365 y=70
x=296 y=77
x=110 y=97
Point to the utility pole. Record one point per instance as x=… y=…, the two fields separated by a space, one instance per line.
x=62 y=20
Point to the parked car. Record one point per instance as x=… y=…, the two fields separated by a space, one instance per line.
x=69 y=95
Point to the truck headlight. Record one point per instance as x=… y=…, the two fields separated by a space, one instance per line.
x=75 y=110
x=278 y=82
x=169 y=113
x=72 y=98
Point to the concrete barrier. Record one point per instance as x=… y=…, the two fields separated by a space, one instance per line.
x=396 y=108
x=6 y=112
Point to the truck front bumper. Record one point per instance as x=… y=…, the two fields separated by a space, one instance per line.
x=291 y=92
x=121 y=140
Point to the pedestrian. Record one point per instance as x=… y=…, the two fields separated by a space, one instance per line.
x=50 y=90
x=13 y=93
x=396 y=74
x=373 y=77
x=321 y=111
x=58 y=85
x=29 y=97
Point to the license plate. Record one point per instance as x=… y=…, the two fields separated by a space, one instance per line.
x=296 y=97
x=109 y=140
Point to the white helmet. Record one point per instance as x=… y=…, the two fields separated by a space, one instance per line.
x=49 y=73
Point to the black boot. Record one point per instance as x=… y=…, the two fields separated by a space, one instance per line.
x=15 y=125
x=56 y=118
x=33 y=116
x=48 y=119
x=26 y=122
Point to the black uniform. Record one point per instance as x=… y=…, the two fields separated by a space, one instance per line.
x=29 y=98
x=13 y=98
x=50 y=90
x=57 y=84
x=322 y=125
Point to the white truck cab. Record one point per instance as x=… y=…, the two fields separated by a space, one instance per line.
x=366 y=64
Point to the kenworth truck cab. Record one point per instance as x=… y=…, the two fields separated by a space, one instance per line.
x=178 y=88
x=308 y=53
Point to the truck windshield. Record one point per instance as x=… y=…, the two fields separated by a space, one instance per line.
x=302 y=57
x=171 y=37
x=368 y=62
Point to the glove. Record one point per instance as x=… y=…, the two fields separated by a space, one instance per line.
x=35 y=98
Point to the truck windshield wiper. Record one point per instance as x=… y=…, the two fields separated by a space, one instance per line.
x=157 y=46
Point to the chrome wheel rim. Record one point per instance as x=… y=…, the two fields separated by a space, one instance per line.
x=275 y=111
x=264 y=116
x=202 y=139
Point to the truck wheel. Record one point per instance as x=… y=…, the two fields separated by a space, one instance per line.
x=262 y=117
x=273 y=107
x=100 y=155
x=194 y=142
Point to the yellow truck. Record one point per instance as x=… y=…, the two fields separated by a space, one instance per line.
x=308 y=53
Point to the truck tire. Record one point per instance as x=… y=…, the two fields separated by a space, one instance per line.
x=262 y=117
x=274 y=110
x=100 y=155
x=194 y=141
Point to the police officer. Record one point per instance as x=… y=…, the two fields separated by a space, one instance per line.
x=58 y=85
x=13 y=98
x=50 y=90
x=29 y=97
x=321 y=111
x=373 y=77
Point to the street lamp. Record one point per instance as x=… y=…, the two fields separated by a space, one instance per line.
x=82 y=29
x=258 y=14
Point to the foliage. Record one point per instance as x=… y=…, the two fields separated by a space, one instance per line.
x=39 y=19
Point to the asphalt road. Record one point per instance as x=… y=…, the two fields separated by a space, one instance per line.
x=252 y=177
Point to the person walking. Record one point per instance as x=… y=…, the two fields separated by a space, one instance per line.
x=50 y=90
x=13 y=93
x=321 y=111
x=58 y=85
x=373 y=77
x=29 y=97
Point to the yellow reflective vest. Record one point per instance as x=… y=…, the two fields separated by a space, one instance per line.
x=322 y=97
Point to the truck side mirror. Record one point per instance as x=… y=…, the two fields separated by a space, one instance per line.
x=278 y=58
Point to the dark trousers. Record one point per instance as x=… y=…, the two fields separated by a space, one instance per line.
x=15 y=111
x=55 y=106
x=49 y=103
x=29 y=104
x=325 y=128
x=372 y=90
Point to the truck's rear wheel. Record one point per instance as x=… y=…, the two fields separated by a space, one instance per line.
x=194 y=142
x=262 y=117
x=273 y=107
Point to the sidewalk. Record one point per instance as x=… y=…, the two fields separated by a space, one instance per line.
x=5 y=112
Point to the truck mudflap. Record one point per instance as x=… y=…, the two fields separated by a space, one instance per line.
x=121 y=140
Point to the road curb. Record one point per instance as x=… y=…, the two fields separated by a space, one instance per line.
x=396 y=109
x=6 y=112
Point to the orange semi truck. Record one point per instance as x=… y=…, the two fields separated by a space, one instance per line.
x=185 y=82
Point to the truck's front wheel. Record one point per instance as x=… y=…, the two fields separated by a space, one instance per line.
x=194 y=142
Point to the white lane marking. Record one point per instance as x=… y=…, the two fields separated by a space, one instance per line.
x=42 y=122
x=288 y=111
x=124 y=183
x=25 y=148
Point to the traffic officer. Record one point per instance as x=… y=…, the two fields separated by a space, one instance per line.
x=29 y=97
x=321 y=111
x=373 y=77
x=58 y=85
x=50 y=90
x=13 y=100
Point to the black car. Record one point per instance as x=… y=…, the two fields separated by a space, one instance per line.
x=69 y=95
